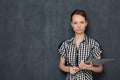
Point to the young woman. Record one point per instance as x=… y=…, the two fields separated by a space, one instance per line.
x=75 y=51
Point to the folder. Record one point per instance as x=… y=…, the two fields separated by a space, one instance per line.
x=99 y=61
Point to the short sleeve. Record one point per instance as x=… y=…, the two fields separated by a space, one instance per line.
x=62 y=50
x=96 y=49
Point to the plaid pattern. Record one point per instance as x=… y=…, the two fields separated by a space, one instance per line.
x=88 y=48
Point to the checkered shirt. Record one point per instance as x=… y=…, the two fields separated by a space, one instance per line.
x=88 y=48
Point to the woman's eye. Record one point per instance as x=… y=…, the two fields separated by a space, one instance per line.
x=81 y=22
x=75 y=22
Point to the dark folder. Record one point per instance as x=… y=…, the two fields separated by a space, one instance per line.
x=99 y=61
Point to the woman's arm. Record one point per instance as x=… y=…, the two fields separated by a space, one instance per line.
x=63 y=67
x=91 y=67
x=98 y=68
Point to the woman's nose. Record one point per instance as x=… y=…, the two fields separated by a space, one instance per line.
x=79 y=25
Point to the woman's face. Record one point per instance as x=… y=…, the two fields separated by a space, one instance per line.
x=78 y=24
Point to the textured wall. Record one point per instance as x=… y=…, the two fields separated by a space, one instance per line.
x=31 y=30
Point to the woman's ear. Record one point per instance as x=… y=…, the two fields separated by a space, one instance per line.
x=86 y=23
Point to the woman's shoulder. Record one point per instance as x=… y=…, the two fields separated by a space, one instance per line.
x=93 y=41
x=65 y=42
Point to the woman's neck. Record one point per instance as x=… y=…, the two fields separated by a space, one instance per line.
x=78 y=39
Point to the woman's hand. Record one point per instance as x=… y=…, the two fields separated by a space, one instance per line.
x=88 y=66
x=74 y=70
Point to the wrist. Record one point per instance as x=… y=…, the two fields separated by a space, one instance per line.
x=80 y=69
x=68 y=70
x=91 y=68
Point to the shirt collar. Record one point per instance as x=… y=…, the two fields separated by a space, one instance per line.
x=71 y=41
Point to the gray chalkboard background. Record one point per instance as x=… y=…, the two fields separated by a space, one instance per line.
x=31 y=30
